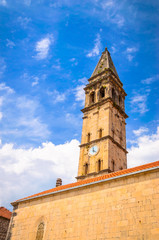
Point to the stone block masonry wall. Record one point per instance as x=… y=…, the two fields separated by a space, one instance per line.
x=125 y=208
x=4 y=223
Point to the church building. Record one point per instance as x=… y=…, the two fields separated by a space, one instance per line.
x=108 y=201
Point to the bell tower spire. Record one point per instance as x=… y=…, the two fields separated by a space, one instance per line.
x=103 y=141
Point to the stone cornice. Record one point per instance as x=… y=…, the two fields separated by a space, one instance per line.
x=97 y=104
x=94 y=173
x=105 y=71
x=106 y=77
x=101 y=139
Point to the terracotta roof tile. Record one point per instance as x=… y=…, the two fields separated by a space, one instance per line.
x=5 y=213
x=95 y=179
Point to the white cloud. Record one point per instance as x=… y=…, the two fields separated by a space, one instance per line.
x=27 y=2
x=24 y=21
x=107 y=4
x=131 y=49
x=113 y=49
x=97 y=46
x=35 y=82
x=5 y=88
x=140 y=131
x=83 y=80
x=2 y=67
x=150 y=79
x=10 y=43
x=139 y=103
x=57 y=96
x=24 y=120
x=57 y=65
x=118 y=19
x=130 y=52
x=1 y=101
x=28 y=120
x=146 y=150
x=80 y=93
x=130 y=57
x=74 y=61
x=1 y=115
x=42 y=47
x=20 y=167
x=3 y=2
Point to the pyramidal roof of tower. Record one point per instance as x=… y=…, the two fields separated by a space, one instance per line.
x=105 y=62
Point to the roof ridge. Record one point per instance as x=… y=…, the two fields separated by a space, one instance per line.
x=95 y=179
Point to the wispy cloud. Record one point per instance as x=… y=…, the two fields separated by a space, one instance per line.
x=74 y=61
x=130 y=53
x=80 y=94
x=4 y=87
x=57 y=65
x=83 y=80
x=57 y=96
x=10 y=43
x=35 y=82
x=2 y=67
x=145 y=150
x=140 y=131
x=97 y=47
x=27 y=2
x=23 y=21
x=113 y=49
x=150 y=79
x=3 y=2
x=139 y=103
x=24 y=120
x=1 y=115
x=42 y=47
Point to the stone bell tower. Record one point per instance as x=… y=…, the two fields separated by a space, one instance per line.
x=103 y=142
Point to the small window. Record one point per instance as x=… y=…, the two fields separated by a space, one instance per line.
x=113 y=132
x=120 y=100
x=100 y=133
x=99 y=165
x=102 y=92
x=88 y=137
x=92 y=97
x=113 y=94
x=86 y=168
x=40 y=232
x=113 y=165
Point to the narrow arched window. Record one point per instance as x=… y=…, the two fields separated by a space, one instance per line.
x=120 y=100
x=102 y=92
x=40 y=232
x=88 y=137
x=86 y=168
x=113 y=94
x=92 y=97
x=100 y=133
x=99 y=165
x=113 y=165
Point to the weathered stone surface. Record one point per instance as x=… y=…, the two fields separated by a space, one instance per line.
x=126 y=208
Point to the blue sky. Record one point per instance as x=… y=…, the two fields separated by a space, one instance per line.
x=48 y=50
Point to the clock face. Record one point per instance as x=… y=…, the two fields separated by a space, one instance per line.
x=93 y=150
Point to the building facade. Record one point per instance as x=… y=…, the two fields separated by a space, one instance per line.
x=108 y=201
x=5 y=216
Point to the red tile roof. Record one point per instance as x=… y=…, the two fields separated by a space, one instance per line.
x=95 y=179
x=5 y=213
